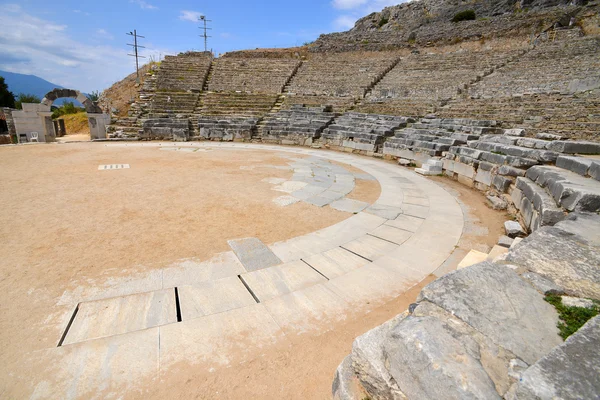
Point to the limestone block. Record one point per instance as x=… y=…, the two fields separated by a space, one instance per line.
x=464 y=170
x=570 y=371
x=513 y=229
x=575 y=147
x=417 y=343
x=563 y=257
x=345 y=384
x=523 y=322
x=484 y=177
x=543 y=285
x=579 y=165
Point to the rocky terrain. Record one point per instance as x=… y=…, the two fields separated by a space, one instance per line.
x=429 y=22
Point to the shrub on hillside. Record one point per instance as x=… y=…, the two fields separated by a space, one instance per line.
x=467 y=15
x=67 y=108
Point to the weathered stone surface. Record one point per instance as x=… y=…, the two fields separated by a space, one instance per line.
x=420 y=344
x=565 y=258
x=575 y=147
x=368 y=361
x=579 y=165
x=585 y=225
x=570 y=301
x=513 y=229
x=570 y=371
x=543 y=285
x=505 y=241
x=253 y=254
x=499 y=304
x=345 y=383
x=497 y=203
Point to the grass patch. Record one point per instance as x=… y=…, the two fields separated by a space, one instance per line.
x=571 y=318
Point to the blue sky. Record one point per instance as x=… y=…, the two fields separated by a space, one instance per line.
x=82 y=44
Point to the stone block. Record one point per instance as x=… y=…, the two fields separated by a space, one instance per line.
x=574 y=147
x=513 y=229
x=522 y=321
x=501 y=183
x=570 y=371
x=464 y=170
x=579 y=165
x=505 y=241
x=484 y=177
x=253 y=254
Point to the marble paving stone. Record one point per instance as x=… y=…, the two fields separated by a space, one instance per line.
x=342 y=187
x=415 y=210
x=253 y=254
x=276 y=281
x=109 y=363
x=219 y=339
x=318 y=201
x=391 y=234
x=384 y=211
x=213 y=297
x=284 y=201
x=349 y=205
x=406 y=222
x=419 y=201
x=369 y=247
x=190 y=272
x=109 y=317
x=315 y=308
x=308 y=192
x=274 y=181
x=369 y=286
x=335 y=262
x=331 y=195
x=290 y=186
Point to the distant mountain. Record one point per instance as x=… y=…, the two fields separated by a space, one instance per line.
x=31 y=84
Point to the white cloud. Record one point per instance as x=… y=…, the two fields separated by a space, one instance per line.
x=348 y=4
x=143 y=5
x=356 y=9
x=344 y=22
x=192 y=16
x=87 y=14
x=103 y=34
x=43 y=48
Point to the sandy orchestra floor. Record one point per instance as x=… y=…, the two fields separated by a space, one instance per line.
x=67 y=224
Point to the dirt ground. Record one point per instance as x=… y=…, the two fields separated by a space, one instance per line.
x=65 y=221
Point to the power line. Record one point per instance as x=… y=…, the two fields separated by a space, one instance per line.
x=205 y=36
x=135 y=47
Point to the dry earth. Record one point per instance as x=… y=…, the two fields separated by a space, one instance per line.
x=67 y=224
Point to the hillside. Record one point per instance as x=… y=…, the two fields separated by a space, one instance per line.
x=429 y=22
x=31 y=84
x=121 y=94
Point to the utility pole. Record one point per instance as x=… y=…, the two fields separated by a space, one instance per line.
x=203 y=19
x=135 y=47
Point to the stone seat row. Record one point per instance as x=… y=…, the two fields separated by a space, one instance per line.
x=300 y=125
x=251 y=74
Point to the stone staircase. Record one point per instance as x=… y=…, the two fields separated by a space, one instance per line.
x=362 y=133
x=299 y=125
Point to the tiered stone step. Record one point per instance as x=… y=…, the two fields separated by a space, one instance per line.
x=438 y=76
x=236 y=104
x=176 y=129
x=255 y=75
x=341 y=75
x=338 y=104
x=565 y=115
x=409 y=107
x=227 y=128
x=562 y=67
x=431 y=137
x=184 y=72
x=363 y=133
x=174 y=102
x=300 y=125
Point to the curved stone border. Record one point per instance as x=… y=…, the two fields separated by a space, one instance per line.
x=386 y=249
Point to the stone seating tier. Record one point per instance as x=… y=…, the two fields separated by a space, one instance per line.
x=174 y=102
x=338 y=104
x=300 y=125
x=251 y=74
x=341 y=74
x=226 y=128
x=183 y=73
x=363 y=133
x=236 y=104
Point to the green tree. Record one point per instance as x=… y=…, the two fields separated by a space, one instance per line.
x=94 y=96
x=7 y=99
x=26 y=98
